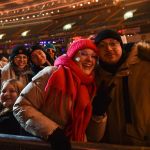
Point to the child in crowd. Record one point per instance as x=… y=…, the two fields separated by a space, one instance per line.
x=9 y=93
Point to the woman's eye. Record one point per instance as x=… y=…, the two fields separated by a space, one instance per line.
x=95 y=57
x=84 y=54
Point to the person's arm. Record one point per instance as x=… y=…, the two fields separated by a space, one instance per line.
x=27 y=106
x=27 y=112
x=101 y=101
x=5 y=73
x=96 y=128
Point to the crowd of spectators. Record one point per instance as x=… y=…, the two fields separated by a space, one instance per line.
x=98 y=91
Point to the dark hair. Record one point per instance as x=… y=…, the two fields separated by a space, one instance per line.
x=36 y=47
x=18 y=49
x=108 y=34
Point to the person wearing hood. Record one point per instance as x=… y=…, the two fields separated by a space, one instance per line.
x=124 y=76
x=56 y=105
x=18 y=67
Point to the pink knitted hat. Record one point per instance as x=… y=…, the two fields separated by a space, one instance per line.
x=80 y=45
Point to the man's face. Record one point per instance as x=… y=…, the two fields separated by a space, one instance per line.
x=110 y=51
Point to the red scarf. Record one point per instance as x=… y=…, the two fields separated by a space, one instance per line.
x=69 y=80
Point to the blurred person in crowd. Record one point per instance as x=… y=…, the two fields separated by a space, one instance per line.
x=128 y=102
x=51 y=50
x=56 y=105
x=18 y=67
x=3 y=61
x=39 y=58
x=9 y=92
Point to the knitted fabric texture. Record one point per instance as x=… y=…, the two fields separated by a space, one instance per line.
x=50 y=46
x=105 y=34
x=80 y=45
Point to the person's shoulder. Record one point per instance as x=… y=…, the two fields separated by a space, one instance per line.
x=45 y=73
x=139 y=51
x=41 y=79
x=143 y=49
x=6 y=67
x=4 y=112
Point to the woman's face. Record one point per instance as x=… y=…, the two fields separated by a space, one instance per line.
x=21 y=61
x=38 y=57
x=8 y=95
x=86 y=60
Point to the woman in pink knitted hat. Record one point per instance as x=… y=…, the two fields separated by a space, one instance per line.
x=56 y=105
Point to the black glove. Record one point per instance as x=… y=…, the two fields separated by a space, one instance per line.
x=59 y=141
x=102 y=100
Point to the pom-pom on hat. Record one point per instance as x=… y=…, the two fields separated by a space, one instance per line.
x=105 y=34
x=80 y=45
x=18 y=49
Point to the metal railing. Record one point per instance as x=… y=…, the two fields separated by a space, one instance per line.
x=13 y=142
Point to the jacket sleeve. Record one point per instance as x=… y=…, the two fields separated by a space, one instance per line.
x=5 y=73
x=27 y=106
x=96 y=128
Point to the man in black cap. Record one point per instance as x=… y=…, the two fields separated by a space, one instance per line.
x=123 y=79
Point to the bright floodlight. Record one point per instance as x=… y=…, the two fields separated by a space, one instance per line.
x=68 y=26
x=25 y=33
x=1 y=36
x=129 y=14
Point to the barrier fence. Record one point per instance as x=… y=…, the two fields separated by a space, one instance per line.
x=13 y=142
